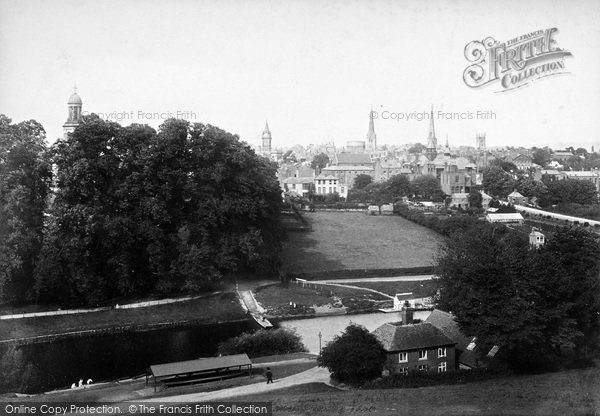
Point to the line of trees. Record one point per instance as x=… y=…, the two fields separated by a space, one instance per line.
x=424 y=187
x=133 y=211
x=539 y=306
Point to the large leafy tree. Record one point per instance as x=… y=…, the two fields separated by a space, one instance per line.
x=497 y=182
x=139 y=211
x=528 y=302
x=353 y=357
x=570 y=191
x=319 y=162
x=25 y=176
x=361 y=181
x=426 y=187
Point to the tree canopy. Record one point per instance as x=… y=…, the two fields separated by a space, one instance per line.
x=534 y=304
x=25 y=178
x=354 y=356
x=319 y=162
x=140 y=211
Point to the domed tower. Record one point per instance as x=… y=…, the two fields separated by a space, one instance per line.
x=74 y=104
x=266 y=140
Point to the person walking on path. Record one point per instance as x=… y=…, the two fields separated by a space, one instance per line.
x=269 y=375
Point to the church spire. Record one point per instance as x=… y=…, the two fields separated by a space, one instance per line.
x=371 y=136
x=266 y=139
x=431 y=149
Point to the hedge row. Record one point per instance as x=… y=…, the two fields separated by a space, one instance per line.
x=427 y=379
x=358 y=273
x=445 y=226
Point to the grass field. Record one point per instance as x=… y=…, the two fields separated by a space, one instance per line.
x=203 y=311
x=574 y=392
x=419 y=289
x=355 y=240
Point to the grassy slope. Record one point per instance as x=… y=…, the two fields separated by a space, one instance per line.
x=355 y=240
x=419 y=289
x=574 y=392
x=204 y=311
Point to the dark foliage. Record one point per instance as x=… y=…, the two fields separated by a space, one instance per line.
x=263 y=342
x=353 y=357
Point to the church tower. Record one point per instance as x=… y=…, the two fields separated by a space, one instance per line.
x=431 y=149
x=266 y=140
x=371 y=136
x=74 y=104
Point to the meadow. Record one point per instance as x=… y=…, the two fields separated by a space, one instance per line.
x=355 y=240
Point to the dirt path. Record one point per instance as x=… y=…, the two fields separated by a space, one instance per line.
x=314 y=375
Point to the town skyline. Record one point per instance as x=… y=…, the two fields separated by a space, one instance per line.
x=236 y=67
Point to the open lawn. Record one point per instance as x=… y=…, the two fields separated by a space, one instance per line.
x=208 y=310
x=355 y=240
x=419 y=288
x=276 y=298
x=574 y=392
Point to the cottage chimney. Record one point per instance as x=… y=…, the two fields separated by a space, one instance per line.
x=407 y=315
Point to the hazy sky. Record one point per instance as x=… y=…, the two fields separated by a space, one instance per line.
x=311 y=68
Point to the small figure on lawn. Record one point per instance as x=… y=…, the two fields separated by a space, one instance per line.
x=269 y=375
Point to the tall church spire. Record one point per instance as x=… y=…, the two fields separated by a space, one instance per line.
x=431 y=149
x=371 y=136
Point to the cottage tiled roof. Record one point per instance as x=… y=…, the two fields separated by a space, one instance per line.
x=396 y=337
x=445 y=322
x=515 y=194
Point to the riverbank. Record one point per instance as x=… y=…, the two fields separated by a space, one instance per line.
x=220 y=308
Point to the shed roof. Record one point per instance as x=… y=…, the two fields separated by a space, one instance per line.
x=395 y=337
x=199 y=365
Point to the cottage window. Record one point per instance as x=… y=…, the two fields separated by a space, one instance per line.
x=423 y=367
x=403 y=357
x=442 y=367
x=422 y=354
x=403 y=371
x=442 y=352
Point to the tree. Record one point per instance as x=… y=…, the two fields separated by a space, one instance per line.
x=497 y=182
x=25 y=177
x=319 y=162
x=354 y=356
x=361 y=181
x=541 y=156
x=139 y=211
x=569 y=191
x=426 y=187
x=398 y=186
x=263 y=342
x=417 y=148
x=524 y=301
x=475 y=199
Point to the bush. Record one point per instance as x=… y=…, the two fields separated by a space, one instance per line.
x=263 y=342
x=353 y=357
x=426 y=379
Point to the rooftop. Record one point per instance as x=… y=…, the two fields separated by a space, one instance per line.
x=396 y=337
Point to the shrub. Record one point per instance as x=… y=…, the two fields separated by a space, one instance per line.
x=263 y=342
x=353 y=357
x=425 y=379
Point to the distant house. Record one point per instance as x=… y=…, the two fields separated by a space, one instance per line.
x=522 y=162
x=460 y=200
x=516 y=198
x=562 y=155
x=329 y=185
x=402 y=300
x=536 y=238
x=485 y=200
x=514 y=218
x=415 y=347
x=301 y=186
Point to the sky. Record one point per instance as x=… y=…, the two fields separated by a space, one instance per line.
x=312 y=68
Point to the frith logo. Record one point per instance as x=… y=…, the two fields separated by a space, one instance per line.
x=515 y=63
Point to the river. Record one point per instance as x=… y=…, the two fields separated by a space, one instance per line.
x=58 y=364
